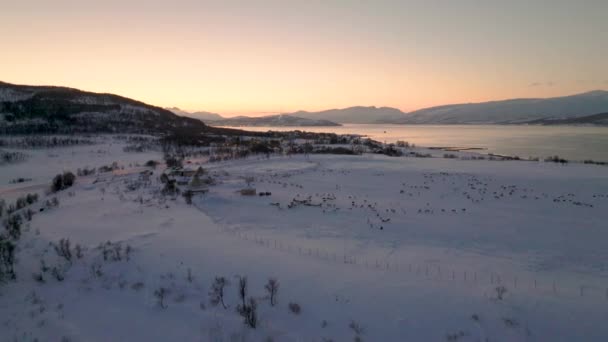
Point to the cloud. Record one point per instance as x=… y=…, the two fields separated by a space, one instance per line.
x=535 y=84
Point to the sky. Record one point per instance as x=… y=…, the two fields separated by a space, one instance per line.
x=260 y=57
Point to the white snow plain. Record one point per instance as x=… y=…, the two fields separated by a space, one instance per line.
x=371 y=247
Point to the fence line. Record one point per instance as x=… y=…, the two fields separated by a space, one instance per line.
x=431 y=272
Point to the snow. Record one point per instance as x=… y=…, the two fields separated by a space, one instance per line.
x=11 y=95
x=404 y=282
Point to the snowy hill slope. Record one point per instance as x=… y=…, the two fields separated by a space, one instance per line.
x=31 y=109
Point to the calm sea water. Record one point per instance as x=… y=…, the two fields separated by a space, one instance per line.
x=574 y=143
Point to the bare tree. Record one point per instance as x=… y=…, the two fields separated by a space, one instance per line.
x=64 y=250
x=272 y=287
x=242 y=289
x=500 y=292
x=160 y=294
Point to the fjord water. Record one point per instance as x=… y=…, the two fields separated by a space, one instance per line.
x=570 y=142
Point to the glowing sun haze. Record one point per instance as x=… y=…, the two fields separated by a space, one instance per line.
x=255 y=57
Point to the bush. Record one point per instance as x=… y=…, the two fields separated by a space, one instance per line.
x=13 y=226
x=249 y=313
x=556 y=159
x=85 y=172
x=64 y=250
x=7 y=259
x=151 y=163
x=173 y=161
x=500 y=292
x=113 y=251
x=63 y=181
x=216 y=294
x=160 y=294
x=295 y=308
x=188 y=196
x=58 y=274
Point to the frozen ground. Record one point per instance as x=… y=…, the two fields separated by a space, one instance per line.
x=410 y=249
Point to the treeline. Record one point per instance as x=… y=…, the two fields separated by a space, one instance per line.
x=44 y=141
x=7 y=157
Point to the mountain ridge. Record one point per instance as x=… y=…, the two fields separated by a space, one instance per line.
x=27 y=109
x=201 y=115
x=512 y=111
x=279 y=120
x=354 y=114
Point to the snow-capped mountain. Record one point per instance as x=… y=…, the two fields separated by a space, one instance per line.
x=512 y=111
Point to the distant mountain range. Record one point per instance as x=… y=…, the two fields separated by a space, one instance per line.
x=516 y=111
x=204 y=116
x=272 y=121
x=280 y=120
x=357 y=115
x=512 y=111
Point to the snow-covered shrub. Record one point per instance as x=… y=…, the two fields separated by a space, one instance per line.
x=7 y=259
x=13 y=226
x=28 y=214
x=113 y=251
x=108 y=168
x=79 y=251
x=160 y=294
x=294 y=308
x=248 y=311
x=11 y=157
x=58 y=274
x=500 y=292
x=39 y=277
x=357 y=329
x=64 y=249
x=85 y=171
x=510 y=323
x=216 y=294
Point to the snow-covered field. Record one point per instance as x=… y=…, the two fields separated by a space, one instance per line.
x=370 y=247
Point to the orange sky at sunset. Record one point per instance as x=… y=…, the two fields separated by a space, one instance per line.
x=254 y=58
